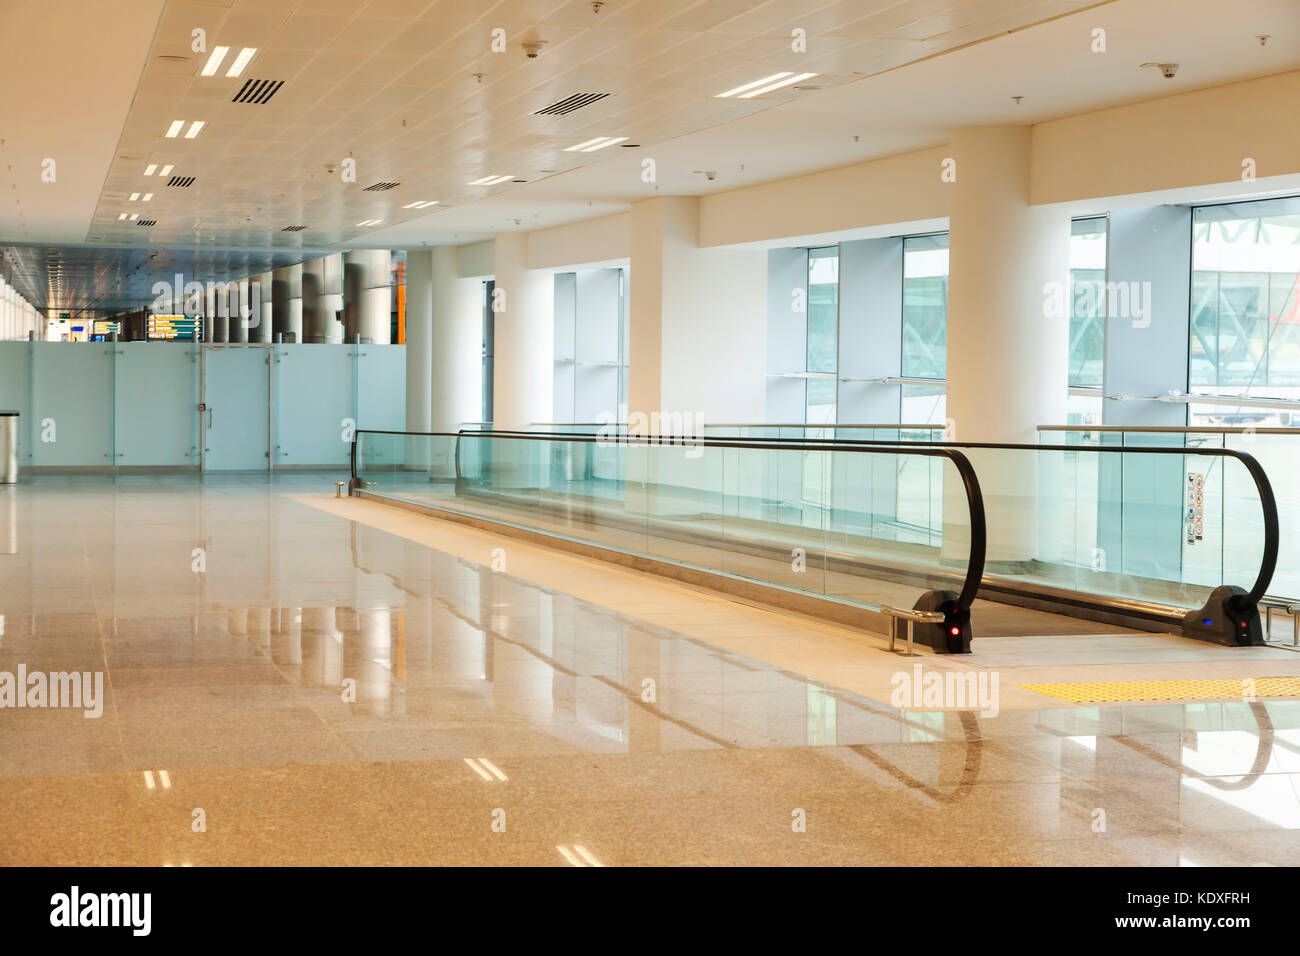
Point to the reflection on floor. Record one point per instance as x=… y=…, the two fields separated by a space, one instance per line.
x=284 y=685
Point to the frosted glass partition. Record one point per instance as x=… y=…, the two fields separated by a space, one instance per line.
x=184 y=405
x=154 y=396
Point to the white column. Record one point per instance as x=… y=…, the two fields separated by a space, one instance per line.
x=524 y=372
x=1007 y=340
x=1006 y=353
x=419 y=338
x=692 y=309
x=456 y=335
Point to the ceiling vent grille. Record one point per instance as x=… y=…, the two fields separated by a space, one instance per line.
x=185 y=182
x=257 y=91
x=570 y=103
x=146 y=222
x=380 y=187
x=293 y=228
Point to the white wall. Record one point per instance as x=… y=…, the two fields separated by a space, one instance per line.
x=591 y=242
x=1191 y=139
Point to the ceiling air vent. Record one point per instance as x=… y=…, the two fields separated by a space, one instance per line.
x=146 y=222
x=183 y=181
x=380 y=187
x=257 y=91
x=570 y=103
x=293 y=228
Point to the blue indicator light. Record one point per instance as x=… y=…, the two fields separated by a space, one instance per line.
x=1208 y=622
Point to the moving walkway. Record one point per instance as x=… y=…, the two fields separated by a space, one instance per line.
x=840 y=528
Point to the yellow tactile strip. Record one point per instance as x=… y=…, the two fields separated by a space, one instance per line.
x=1089 y=692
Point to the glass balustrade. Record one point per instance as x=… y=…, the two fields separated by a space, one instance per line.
x=876 y=529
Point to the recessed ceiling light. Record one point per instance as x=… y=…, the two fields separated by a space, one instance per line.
x=134 y=196
x=591 y=145
x=148 y=170
x=789 y=80
x=135 y=216
x=167 y=170
x=148 y=196
x=121 y=216
x=755 y=84
x=421 y=204
x=175 y=129
x=214 y=61
x=241 y=61
x=492 y=180
x=195 y=128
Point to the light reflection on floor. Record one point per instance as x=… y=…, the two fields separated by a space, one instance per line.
x=327 y=693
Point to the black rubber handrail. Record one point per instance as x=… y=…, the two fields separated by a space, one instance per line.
x=1267 y=500
x=970 y=481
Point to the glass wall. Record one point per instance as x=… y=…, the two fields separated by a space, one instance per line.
x=1087 y=300
x=219 y=407
x=822 y=357
x=925 y=306
x=489 y=348
x=1244 y=312
x=1087 y=317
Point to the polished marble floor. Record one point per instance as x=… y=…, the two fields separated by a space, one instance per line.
x=285 y=684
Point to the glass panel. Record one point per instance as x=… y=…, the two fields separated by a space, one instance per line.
x=823 y=310
x=1245 y=262
x=1087 y=300
x=1164 y=528
x=924 y=404
x=925 y=307
x=736 y=511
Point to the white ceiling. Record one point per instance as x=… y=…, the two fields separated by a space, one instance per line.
x=412 y=91
x=1051 y=66
x=390 y=84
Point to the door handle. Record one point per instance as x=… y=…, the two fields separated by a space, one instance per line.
x=209 y=416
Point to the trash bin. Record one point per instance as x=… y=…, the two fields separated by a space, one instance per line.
x=8 y=447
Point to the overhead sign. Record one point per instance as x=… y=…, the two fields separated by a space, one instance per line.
x=171 y=327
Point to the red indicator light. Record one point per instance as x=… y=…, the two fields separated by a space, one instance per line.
x=956 y=631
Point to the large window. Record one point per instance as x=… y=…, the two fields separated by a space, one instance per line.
x=1244 y=314
x=591 y=346
x=489 y=348
x=1087 y=301
x=1087 y=346
x=925 y=306
x=823 y=335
